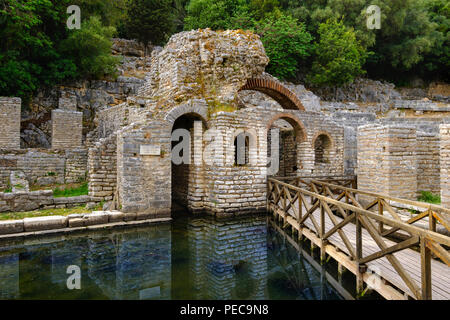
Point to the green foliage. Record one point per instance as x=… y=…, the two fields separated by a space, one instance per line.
x=426 y=196
x=287 y=44
x=217 y=14
x=35 y=50
x=71 y=192
x=338 y=56
x=90 y=48
x=150 y=21
x=29 y=58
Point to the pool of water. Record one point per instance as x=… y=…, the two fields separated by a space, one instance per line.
x=189 y=258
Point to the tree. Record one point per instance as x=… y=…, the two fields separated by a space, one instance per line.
x=216 y=14
x=287 y=44
x=90 y=49
x=29 y=58
x=338 y=55
x=150 y=21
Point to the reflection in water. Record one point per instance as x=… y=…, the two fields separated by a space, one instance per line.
x=192 y=258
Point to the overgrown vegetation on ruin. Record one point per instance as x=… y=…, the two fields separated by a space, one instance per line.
x=38 y=50
x=71 y=191
x=426 y=196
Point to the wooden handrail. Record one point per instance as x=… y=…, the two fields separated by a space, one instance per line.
x=354 y=213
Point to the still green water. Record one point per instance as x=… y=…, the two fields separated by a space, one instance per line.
x=189 y=258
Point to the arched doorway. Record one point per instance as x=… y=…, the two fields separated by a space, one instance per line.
x=187 y=172
x=288 y=132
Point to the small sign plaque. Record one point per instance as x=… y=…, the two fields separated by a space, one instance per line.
x=150 y=150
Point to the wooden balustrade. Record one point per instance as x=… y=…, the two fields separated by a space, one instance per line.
x=329 y=207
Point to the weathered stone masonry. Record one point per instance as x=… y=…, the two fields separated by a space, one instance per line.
x=67 y=129
x=10 y=123
x=445 y=165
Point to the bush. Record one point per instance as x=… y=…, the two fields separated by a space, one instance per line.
x=338 y=55
x=426 y=196
x=90 y=48
x=287 y=44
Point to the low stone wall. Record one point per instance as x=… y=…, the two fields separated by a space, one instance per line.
x=30 y=226
x=445 y=165
x=43 y=167
x=102 y=169
x=34 y=200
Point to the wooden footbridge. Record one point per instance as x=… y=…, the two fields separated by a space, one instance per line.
x=400 y=256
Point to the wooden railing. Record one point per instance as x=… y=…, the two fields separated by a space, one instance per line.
x=365 y=210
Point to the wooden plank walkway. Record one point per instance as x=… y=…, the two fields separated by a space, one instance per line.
x=410 y=259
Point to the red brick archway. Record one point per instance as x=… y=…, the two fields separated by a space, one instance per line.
x=285 y=97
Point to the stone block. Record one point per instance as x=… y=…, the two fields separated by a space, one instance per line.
x=44 y=223
x=11 y=226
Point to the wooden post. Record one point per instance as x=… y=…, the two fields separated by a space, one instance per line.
x=425 y=257
x=300 y=215
x=359 y=253
x=432 y=221
x=322 y=233
x=380 y=212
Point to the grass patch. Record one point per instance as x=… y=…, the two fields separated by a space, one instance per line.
x=71 y=192
x=426 y=196
x=46 y=212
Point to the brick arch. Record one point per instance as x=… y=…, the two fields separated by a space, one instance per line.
x=285 y=97
x=295 y=122
x=200 y=111
x=322 y=133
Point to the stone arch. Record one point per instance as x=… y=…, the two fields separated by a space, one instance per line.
x=292 y=150
x=322 y=144
x=252 y=146
x=274 y=89
x=185 y=177
x=320 y=133
x=296 y=123
x=175 y=113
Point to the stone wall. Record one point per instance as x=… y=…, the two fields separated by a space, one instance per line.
x=428 y=163
x=67 y=129
x=34 y=200
x=102 y=168
x=144 y=183
x=44 y=167
x=76 y=165
x=387 y=160
x=445 y=165
x=10 y=122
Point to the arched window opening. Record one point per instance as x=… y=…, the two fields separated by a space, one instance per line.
x=241 y=149
x=322 y=149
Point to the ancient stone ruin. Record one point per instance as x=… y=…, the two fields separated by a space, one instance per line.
x=242 y=123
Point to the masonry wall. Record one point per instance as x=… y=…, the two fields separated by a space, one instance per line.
x=387 y=160
x=102 y=169
x=10 y=122
x=67 y=129
x=144 y=183
x=44 y=167
x=428 y=163
x=445 y=164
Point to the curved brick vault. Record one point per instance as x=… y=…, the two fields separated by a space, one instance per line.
x=285 y=97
